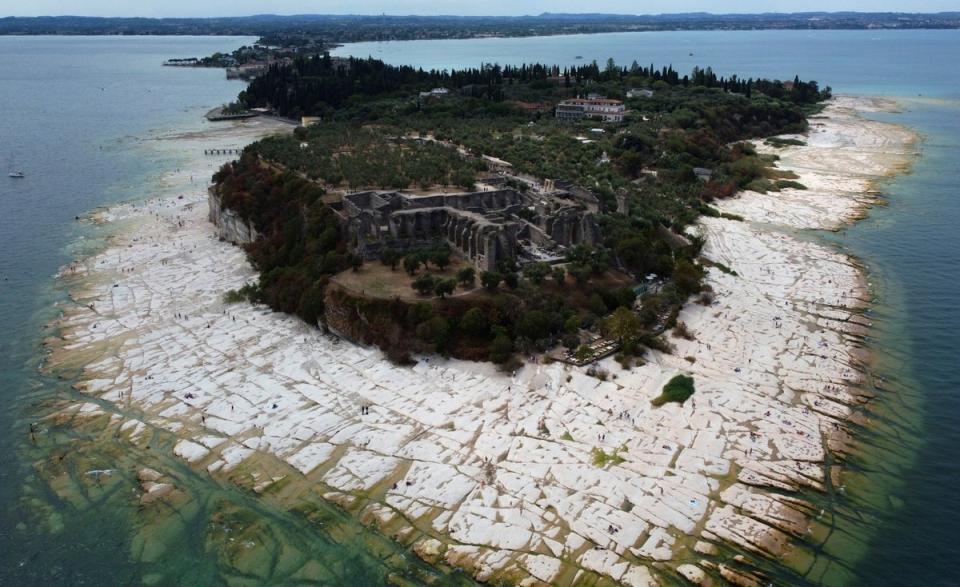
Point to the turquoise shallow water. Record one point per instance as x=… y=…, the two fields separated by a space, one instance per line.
x=77 y=111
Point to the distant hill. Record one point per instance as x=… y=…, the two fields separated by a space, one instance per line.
x=354 y=28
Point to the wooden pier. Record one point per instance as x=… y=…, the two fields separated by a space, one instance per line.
x=222 y=151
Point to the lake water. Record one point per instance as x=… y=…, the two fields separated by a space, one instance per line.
x=79 y=117
x=78 y=111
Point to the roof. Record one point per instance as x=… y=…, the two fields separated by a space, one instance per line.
x=587 y=102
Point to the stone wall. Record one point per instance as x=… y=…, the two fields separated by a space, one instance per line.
x=485 y=226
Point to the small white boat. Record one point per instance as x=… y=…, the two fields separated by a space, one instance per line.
x=17 y=174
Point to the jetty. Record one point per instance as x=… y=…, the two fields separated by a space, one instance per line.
x=230 y=151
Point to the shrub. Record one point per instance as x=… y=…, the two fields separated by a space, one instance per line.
x=783 y=184
x=601 y=458
x=762 y=186
x=678 y=390
x=250 y=292
x=781 y=142
x=683 y=331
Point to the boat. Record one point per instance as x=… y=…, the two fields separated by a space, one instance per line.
x=17 y=174
x=579 y=57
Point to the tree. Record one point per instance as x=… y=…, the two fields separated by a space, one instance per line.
x=424 y=284
x=583 y=353
x=436 y=330
x=536 y=272
x=444 y=287
x=311 y=303
x=390 y=258
x=356 y=261
x=534 y=325
x=507 y=265
x=579 y=272
x=687 y=276
x=611 y=69
x=467 y=277
x=440 y=258
x=501 y=348
x=512 y=280
x=631 y=163
x=490 y=280
x=559 y=275
x=597 y=305
x=623 y=325
x=474 y=322
x=625 y=296
x=411 y=263
x=599 y=260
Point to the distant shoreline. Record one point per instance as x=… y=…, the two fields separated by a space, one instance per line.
x=363 y=28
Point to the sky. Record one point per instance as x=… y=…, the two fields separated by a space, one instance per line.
x=188 y=8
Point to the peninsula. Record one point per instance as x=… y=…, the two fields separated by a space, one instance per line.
x=604 y=355
x=496 y=212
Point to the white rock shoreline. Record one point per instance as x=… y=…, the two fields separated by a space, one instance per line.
x=452 y=454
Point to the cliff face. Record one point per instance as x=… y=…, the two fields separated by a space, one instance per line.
x=230 y=227
x=367 y=322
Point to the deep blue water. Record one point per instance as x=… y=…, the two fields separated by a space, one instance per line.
x=77 y=109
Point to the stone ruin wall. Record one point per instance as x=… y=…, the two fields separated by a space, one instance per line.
x=483 y=226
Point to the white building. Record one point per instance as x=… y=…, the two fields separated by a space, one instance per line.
x=599 y=108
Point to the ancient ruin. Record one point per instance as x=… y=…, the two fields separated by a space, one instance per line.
x=484 y=226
